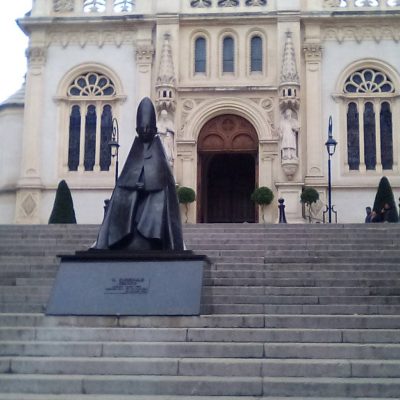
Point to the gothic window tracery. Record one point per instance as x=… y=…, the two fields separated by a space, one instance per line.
x=368 y=81
x=369 y=120
x=123 y=5
x=228 y=3
x=200 y=3
x=256 y=2
x=91 y=96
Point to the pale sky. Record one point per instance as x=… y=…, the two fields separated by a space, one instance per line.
x=13 y=43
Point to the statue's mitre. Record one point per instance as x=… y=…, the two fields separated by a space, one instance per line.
x=146 y=116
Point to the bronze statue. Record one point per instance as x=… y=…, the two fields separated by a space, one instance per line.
x=143 y=213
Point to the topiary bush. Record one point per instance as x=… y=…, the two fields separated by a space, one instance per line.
x=186 y=196
x=308 y=196
x=63 y=208
x=384 y=195
x=262 y=196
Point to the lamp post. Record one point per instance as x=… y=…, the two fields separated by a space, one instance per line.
x=330 y=147
x=114 y=145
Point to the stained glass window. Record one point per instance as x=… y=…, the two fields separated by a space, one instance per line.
x=386 y=136
x=369 y=136
x=373 y=89
x=74 y=138
x=105 y=137
x=353 y=137
x=90 y=138
x=90 y=122
x=256 y=56
x=200 y=55
x=228 y=55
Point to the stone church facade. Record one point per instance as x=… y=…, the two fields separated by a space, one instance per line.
x=243 y=90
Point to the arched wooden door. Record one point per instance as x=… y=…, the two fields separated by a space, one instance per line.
x=227 y=170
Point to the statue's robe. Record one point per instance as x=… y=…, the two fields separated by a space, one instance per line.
x=143 y=208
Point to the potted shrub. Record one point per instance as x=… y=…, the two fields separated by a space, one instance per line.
x=186 y=196
x=262 y=196
x=63 y=208
x=308 y=196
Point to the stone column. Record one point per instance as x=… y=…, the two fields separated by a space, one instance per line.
x=315 y=145
x=29 y=185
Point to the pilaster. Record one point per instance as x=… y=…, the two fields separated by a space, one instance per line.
x=315 y=147
x=29 y=185
x=144 y=60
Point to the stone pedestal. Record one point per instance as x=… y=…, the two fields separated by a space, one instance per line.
x=110 y=283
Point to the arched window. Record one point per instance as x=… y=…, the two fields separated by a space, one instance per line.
x=369 y=120
x=200 y=55
x=91 y=96
x=256 y=54
x=228 y=54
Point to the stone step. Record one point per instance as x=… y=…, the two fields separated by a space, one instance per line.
x=324 y=387
x=216 y=295
x=322 y=267
x=200 y=386
x=27 y=396
x=215 y=308
x=333 y=291
x=121 y=384
x=96 y=334
x=200 y=367
x=254 y=280
x=202 y=321
x=332 y=335
x=332 y=351
x=333 y=321
x=265 y=273
x=131 y=349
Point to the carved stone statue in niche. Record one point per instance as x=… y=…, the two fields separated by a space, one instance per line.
x=288 y=130
x=166 y=132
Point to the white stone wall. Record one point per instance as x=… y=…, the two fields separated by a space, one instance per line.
x=354 y=190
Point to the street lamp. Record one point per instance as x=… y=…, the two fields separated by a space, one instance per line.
x=114 y=145
x=330 y=147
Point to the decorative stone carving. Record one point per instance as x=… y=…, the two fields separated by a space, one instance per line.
x=360 y=33
x=290 y=83
x=288 y=132
x=200 y=3
x=63 y=5
x=144 y=54
x=98 y=38
x=36 y=55
x=166 y=81
x=312 y=52
x=166 y=130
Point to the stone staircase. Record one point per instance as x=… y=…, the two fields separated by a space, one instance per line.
x=288 y=312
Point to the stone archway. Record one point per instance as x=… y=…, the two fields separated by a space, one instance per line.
x=227 y=170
